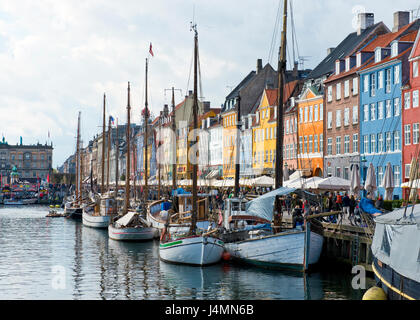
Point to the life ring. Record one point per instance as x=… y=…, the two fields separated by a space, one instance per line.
x=165 y=235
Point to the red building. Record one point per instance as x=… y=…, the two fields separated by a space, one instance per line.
x=411 y=112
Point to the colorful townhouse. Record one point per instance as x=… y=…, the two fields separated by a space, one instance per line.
x=411 y=111
x=213 y=146
x=290 y=156
x=310 y=132
x=381 y=83
x=342 y=105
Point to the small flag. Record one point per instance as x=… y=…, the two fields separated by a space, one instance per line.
x=112 y=120
x=150 y=50
x=48 y=134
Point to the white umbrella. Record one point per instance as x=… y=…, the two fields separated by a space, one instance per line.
x=370 y=183
x=263 y=181
x=388 y=182
x=333 y=183
x=355 y=180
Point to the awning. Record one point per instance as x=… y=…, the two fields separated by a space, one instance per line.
x=212 y=174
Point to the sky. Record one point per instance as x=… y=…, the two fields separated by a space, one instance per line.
x=59 y=57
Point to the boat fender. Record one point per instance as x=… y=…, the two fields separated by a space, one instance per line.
x=165 y=235
x=205 y=241
x=375 y=293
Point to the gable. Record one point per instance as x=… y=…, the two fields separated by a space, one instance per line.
x=415 y=52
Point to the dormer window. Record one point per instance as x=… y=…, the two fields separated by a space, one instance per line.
x=394 y=49
x=347 y=64
x=359 y=59
x=378 y=55
x=337 y=67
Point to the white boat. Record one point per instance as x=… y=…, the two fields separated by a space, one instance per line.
x=195 y=250
x=18 y=202
x=99 y=215
x=125 y=230
x=295 y=249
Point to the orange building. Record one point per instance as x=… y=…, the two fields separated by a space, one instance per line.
x=311 y=131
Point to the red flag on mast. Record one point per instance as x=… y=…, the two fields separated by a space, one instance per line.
x=150 y=50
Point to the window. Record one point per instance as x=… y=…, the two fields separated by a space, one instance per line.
x=380 y=142
x=388 y=80
x=316 y=143
x=388 y=142
x=407 y=134
x=329 y=121
x=316 y=113
x=355 y=142
x=372 y=143
x=347 y=64
x=337 y=67
x=306 y=114
x=394 y=49
x=380 y=110
x=321 y=143
x=378 y=55
x=415 y=69
x=407 y=100
x=407 y=171
x=396 y=107
x=338 y=91
x=397 y=144
x=329 y=146
x=329 y=93
x=300 y=115
x=338 y=145
x=366 y=83
x=311 y=113
x=380 y=175
x=338 y=118
x=366 y=144
x=346 y=144
x=355 y=114
x=358 y=59
x=366 y=112
x=310 y=147
x=346 y=116
x=355 y=86
x=372 y=84
x=397 y=176
x=346 y=88
x=380 y=79
x=388 y=109
x=338 y=172
x=396 y=74
x=321 y=111
x=346 y=173
x=372 y=112
x=415 y=133
x=300 y=145
x=305 y=144
x=415 y=99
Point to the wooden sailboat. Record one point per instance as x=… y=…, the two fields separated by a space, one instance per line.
x=129 y=225
x=191 y=248
x=296 y=248
x=73 y=208
x=98 y=213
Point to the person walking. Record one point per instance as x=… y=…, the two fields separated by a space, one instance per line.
x=346 y=206
x=353 y=205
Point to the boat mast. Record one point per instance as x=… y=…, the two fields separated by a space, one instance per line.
x=134 y=169
x=238 y=145
x=175 y=142
x=280 y=131
x=158 y=160
x=117 y=154
x=127 y=164
x=78 y=160
x=103 y=151
x=195 y=123
x=109 y=149
x=146 y=120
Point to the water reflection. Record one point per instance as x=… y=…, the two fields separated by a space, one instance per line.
x=99 y=268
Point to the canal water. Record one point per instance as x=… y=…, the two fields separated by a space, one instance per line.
x=60 y=259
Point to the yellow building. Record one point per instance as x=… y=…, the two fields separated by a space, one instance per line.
x=229 y=142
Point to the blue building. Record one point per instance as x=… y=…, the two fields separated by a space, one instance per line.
x=380 y=110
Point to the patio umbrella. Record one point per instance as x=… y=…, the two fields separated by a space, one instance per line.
x=355 y=180
x=388 y=182
x=370 y=183
x=414 y=169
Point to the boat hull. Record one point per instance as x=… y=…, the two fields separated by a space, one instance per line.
x=20 y=202
x=196 y=251
x=132 y=234
x=92 y=221
x=73 y=213
x=396 y=286
x=286 y=250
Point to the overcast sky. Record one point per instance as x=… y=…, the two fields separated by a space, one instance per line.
x=58 y=57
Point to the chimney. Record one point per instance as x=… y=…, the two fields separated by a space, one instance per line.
x=330 y=50
x=365 y=20
x=190 y=93
x=259 y=65
x=401 y=19
x=206 y=105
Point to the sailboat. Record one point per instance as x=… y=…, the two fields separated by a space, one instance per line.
x=98 y=213
x=130 y=226
x=250 y=238
x=191 y=248
x=73 y=208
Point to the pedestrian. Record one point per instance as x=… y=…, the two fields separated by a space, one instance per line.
x=353 y=205
x=346 y=206
x=339 y=201
x=379 y=203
